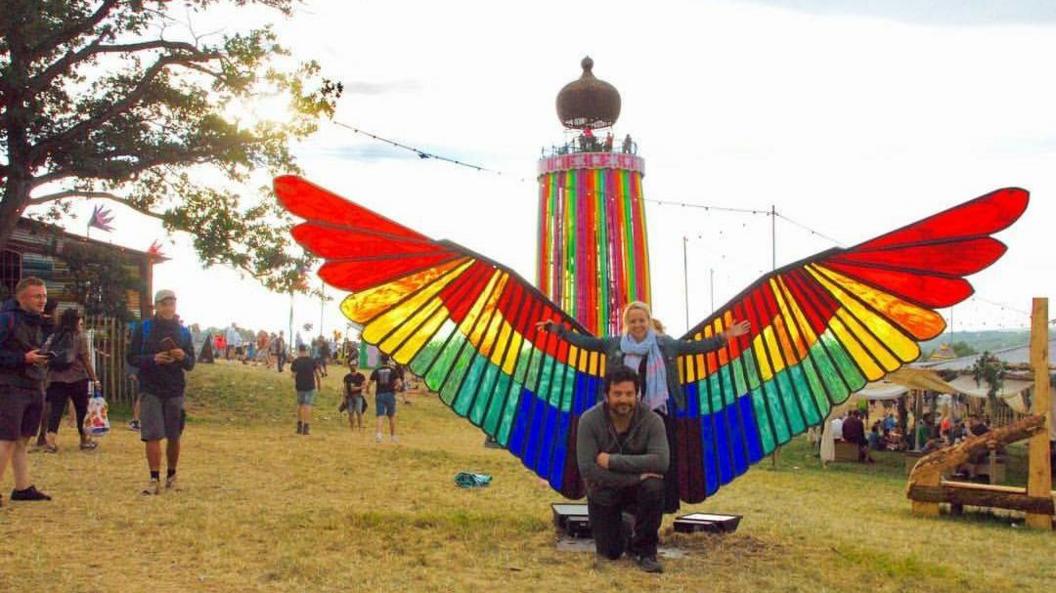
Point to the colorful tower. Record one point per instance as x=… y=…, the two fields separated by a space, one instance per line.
x=593 y=256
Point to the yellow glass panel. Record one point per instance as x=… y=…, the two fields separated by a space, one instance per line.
x=864 y=362
x=882 y=354
x=904 y=348
x=759 y=346
x=484 y=333
x=776 y=360
x=408 y=327
x=491 y=345
x=413 y=344
x=482 y=299
x=500 y=351
x=804 y=325
x=921 y=323
x=786 y=313
x=364 y=306
x=383 y=324
x=510 y=365
x=723 y=352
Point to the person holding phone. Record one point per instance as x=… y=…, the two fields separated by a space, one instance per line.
x=23 y=373
x=163 y=352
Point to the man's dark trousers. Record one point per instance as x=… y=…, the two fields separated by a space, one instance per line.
x=605 y=507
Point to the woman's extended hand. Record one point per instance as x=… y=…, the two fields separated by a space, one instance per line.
x=543 y=325
x=738 y=329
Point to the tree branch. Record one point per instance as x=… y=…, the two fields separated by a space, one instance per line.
x=39 y=82
x=36 y=153
x=75 y=193
x=77 y=28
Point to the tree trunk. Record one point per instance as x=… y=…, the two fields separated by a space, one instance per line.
x=930 y=467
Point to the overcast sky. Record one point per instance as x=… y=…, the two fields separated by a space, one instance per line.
x=852 y=118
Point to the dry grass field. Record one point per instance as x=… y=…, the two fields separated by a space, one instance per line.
x=263 y=509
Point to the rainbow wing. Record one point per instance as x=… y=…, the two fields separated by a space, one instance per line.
x=821 y=328
x=463 y=323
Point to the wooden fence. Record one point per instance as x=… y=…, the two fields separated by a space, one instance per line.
x=111 y=341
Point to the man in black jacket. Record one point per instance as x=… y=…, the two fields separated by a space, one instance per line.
x=22 y=376
x=622 y=453
x=162 y=350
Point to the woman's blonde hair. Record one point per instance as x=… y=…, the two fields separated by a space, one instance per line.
x=631 y=306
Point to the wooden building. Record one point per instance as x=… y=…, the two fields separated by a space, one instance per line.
x=35 y=249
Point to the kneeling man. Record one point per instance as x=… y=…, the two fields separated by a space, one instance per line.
x=621 y=449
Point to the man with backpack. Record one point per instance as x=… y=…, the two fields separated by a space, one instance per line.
x=163 y=351
x=23 y=372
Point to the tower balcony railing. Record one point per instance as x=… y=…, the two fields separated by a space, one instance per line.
x=590 y=143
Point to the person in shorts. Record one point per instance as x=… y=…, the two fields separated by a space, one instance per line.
x=306 y=380
x=163 y=351
x=354 y=401
x=23 y=372
x=386 y=382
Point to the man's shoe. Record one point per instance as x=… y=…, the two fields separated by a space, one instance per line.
x=170 y=484
x=377 y=437
x=650 y=564
x=395 y=439
x=153 y=488
x=305 y=431
x=30 y=493
x=133 y=425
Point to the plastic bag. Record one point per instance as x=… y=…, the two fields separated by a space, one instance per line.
x=97 y=420
x=471 y=480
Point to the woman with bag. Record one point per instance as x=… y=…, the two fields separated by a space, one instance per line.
x=69 y=372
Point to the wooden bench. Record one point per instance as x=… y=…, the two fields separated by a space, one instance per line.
x=959 y=494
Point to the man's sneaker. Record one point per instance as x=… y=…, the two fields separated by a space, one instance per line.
x=377 y=437
x=650 y=564
x=305 y=431
x=170 y=484
x=133 y=425
x=30 y=493
x=395 y=439
x=153 y=487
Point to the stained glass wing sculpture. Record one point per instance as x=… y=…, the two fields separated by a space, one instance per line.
x=462 y=322
x=821 y=328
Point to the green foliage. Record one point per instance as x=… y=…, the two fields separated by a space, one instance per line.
x=99 y=277
x=990 y=369
x=124 y=101
x=962 y=349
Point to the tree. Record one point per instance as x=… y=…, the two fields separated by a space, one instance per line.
x=117 y=100
x=962 y=349
x=100 y=278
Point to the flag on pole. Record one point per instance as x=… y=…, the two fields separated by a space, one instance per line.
x=101 y=218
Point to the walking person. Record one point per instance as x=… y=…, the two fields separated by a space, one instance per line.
x=306 y=381
x=278 y=348
x=22 y=377
x=386 y=383
x=163 y=351
x=354 y=402
x=69 y=383
x=654 y=357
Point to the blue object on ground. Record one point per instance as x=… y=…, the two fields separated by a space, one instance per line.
x=471 y=480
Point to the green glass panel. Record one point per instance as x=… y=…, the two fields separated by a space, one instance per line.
x=752 y=371
x=851 y=373
x=458 y=372
x=522 y=361
x=569 y=390
x=484 y=394
x=531 y=379
x=816 y=391
x=777 y=415
x=788 y=398
x=468 y=390
x=497 y=403
x=444 y=361
x=509 y=412
x=806 y=401
x=546 y=378
x=762 y=420
x=738 y=375
x=829 y=375
x=421 y=361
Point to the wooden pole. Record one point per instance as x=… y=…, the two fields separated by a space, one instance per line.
x=1039 y=479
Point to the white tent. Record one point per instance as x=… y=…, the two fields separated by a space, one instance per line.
x=1011 y=391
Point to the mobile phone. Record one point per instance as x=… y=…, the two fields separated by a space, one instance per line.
x=48 y=354
x=169 y=344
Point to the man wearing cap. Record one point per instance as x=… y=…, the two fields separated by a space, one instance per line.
x=162 y=350
x=22 y=374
